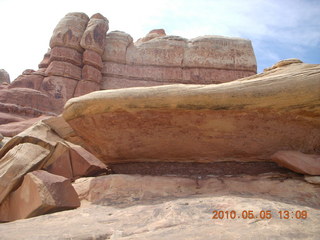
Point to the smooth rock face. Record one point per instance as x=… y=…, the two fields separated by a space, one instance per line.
x=298 y=162
x=39 y=193
x=237 y=121
x=69 y=31
x=4 y=76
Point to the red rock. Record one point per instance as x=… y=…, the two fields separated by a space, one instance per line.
x=4 y=85
x=16 y=162
x=66 y=55
x=64 y=69
x=4 y=76
x=84 y=163
x=69 y=31
x=85 y=87
x=39 y=193
x=237 y=121
x=9 y=117
x=59 y=89
x=151 y=35
x=46 y=60
x=73 y=161
x=15 y=127
x=93 y=59
x=298 y=162
x=28 y=72
x=94 y=36
x=90 y=73
x=60 y=163
x=25 y=102
x=116 y=45
x=33 y=81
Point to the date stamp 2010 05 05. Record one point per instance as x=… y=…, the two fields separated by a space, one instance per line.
x=263 y=214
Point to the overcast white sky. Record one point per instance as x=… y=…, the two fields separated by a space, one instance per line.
x=278 y=29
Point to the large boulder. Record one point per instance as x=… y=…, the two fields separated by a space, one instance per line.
x=39 y=193
x=17 y=162
x=246 y=120
x=95 y=34
x=298 y=162
x=69 y=31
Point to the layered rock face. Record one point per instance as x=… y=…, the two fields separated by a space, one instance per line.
x=246 y=120
x=82 y=59
x=160 y=60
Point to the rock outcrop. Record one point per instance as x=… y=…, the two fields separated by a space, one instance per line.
x=4 y=77
x=161 y=60
x=245 y=120
x=174 y=155
x=83 y=59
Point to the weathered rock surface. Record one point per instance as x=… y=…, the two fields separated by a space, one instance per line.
x=4 y=76
x=156 y=60
x=39 y=193
x=17 y=162
x=245 y=120
x=298 y=162
x=83 y=59
x=13 y=128
x=169 y=212
x=73 y=161
x=69 y=31
x=41 y=147
x=94 y=36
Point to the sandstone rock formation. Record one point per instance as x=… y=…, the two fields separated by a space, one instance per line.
x=170 y=59
x=40 y=147
x=246 y=120
x=39 y=193
x=83 y=59
x=172 y=154
x=4 y=76
x=298 y=162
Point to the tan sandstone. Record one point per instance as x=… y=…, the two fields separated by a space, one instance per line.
x=237 y=121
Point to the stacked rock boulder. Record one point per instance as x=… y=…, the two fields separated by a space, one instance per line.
x=93 y=41
x=76 y=47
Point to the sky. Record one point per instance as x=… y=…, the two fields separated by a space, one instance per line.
x=278 y=29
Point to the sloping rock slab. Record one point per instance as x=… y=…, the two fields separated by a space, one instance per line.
x=245 y=120
x=187 y=217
